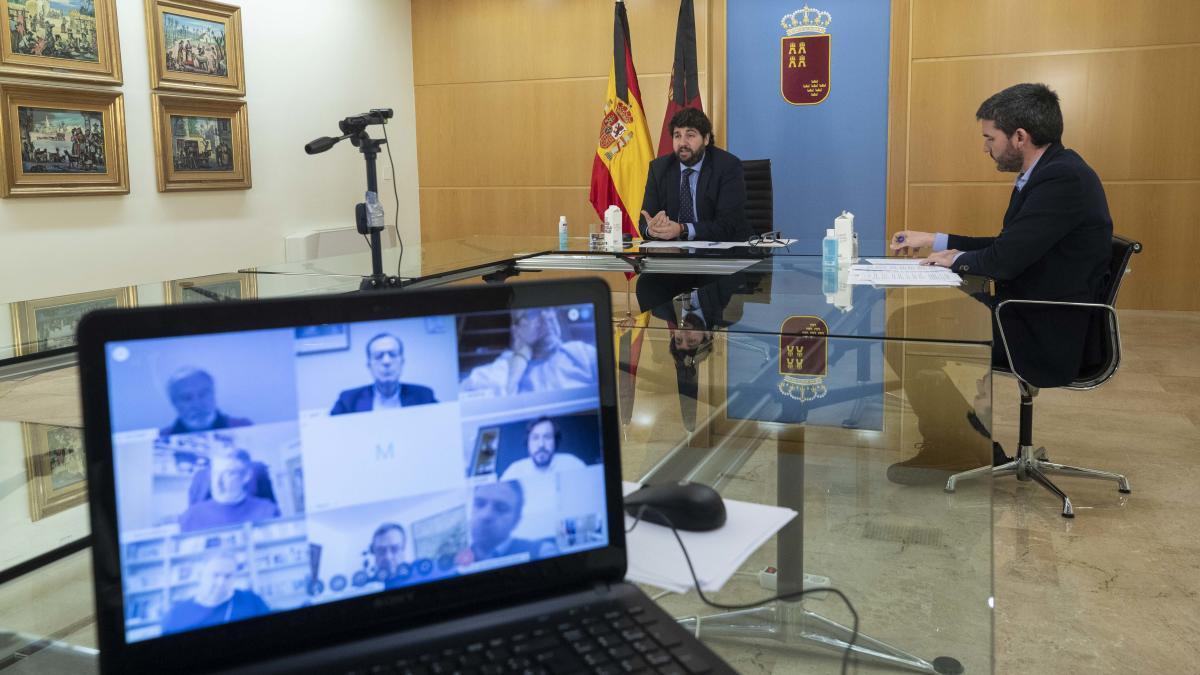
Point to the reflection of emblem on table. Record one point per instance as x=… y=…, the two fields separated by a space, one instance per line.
x=803 y=357
x=614 y=130
x=804 y=57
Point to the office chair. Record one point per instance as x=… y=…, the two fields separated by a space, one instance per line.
x=759 y=199
x=1032 y=464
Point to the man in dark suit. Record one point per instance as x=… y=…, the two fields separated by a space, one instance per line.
x=385 y=360
x=1055 y=242
x=699 y=191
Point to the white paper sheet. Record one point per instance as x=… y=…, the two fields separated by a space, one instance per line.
x=901 y=275
x=893 y=261
x=656 y=559
x=689 y=244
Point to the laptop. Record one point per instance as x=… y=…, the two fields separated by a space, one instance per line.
x=422 y=481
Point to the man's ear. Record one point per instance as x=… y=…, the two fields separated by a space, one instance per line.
x=1021 y=136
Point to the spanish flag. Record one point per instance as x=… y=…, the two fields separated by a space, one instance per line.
x=623 y=152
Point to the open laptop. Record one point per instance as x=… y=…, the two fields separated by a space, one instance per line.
x=395 y=482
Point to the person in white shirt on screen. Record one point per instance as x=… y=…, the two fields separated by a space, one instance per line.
x=542 y=437
x=538 y=360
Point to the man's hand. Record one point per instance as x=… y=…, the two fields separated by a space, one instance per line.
x=942 y=258
x=661 y=227
x=906 y=242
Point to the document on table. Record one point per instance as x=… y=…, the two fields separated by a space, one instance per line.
x=689 y=244
x=901 y=275
x=656 y=559
x=905 y=262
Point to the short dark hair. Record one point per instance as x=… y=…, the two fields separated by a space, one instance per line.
x=692 y=118
x=554 y=425
x=384 y=529
x=1032 y=107
x=380 y=336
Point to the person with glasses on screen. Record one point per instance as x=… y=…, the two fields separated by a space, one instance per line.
x=385 y=361
x=699 y=191
x=387 y=547
x=538 y=359
x=216 y=600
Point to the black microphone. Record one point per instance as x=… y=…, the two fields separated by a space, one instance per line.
x=321 y=144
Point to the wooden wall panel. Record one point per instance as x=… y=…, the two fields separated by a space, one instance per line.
x=509 y=95
x=946 y=28
x=1130 y=113
x=493 y=40
x=1128 y=74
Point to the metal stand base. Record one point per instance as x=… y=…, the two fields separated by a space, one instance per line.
x=791 y=623
x=1032 y=464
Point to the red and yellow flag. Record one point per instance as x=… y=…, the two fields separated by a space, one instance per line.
x=623 y=152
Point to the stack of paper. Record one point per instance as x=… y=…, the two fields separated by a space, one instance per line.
x=901 y=274
x=655 y=557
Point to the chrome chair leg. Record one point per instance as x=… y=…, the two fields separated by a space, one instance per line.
x=1002 y=470
x=1078 y=472
x=1034 y=473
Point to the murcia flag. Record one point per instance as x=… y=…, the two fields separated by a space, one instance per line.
x=684 y=91
x=623 y=152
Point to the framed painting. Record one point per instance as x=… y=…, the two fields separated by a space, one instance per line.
x=195 y=46
x=212 y=288
x=55 y=467
x=60 y=141
x=201 y=143
x=50 y=323
x=61 y=39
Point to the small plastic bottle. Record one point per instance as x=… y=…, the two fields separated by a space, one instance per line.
x=562 y=233
x=829 y=248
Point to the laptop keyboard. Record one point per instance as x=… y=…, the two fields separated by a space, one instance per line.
x=606 y=639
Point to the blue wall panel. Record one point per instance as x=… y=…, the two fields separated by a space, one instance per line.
x=826 y=157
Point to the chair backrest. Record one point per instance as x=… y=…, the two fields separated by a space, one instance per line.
x=1093 y=375
x=760 y=204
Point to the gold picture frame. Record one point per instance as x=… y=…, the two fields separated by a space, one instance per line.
x=50 y=323
x=212 y=288
x=44 y=43
x=61 y=141
x=200 y=143
x=195 y=46
x=55 y=468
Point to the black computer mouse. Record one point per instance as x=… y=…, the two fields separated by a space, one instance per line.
x=687 y=506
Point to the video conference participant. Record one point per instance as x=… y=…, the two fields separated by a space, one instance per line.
x=216 y=601
x=385 y=361
x=538 y=360
x=192 y=393
x=542 y=439
x=1055 y=242
x=230 y=501
x=495 y=513
x=387 y=546
x=697 y=192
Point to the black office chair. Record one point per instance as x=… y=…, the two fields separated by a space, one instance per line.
x=1030 y=463
x=760 y=208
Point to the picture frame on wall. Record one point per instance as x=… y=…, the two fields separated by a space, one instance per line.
x=55 y=468
x=212 y=288
x=201 y=143
x=195 y=46
x=50 y=323
x=61 y=40
x=62 y=141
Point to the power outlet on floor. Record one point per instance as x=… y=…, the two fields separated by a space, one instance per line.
x=766 y=579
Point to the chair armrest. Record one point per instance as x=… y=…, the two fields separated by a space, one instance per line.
x=1054 y=303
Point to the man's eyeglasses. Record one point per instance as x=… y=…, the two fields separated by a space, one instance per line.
x=772 y=237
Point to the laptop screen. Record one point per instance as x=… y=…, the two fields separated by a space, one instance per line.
x=265 y=471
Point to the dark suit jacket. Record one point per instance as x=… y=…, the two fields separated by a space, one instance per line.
x=362 y=399
x=720 y=196
x=1055 y=245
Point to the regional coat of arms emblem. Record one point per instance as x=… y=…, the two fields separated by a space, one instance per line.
x=804 y=56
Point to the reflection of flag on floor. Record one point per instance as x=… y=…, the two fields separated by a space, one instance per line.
x=684 y=91
x=623 y=152
x=629 y=335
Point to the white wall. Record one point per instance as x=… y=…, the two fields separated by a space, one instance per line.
x=309 y=63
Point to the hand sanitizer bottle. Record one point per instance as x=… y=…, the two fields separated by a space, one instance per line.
x=562 y=233
x=829 y=248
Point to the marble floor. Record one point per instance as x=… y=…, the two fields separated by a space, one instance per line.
x=1116 y=590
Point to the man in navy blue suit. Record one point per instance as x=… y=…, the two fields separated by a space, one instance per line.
x=385 y=360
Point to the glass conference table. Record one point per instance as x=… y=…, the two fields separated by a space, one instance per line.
x=758 y=372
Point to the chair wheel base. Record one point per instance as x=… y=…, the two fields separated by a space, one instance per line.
x=1068 y=515
x=1125 y=491
x=948 y=665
